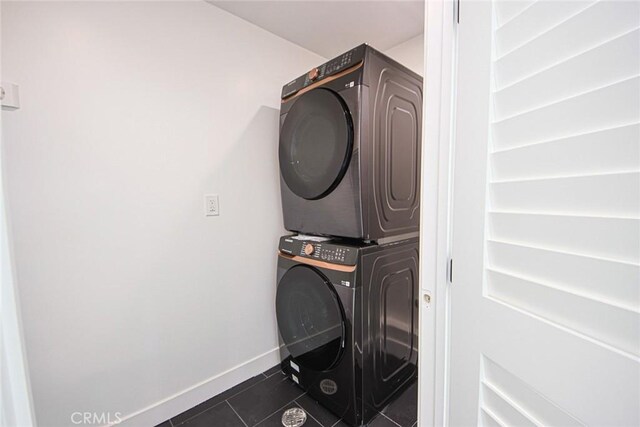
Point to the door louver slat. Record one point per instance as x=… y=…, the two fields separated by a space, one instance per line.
x=570 y=38
x=563 y=218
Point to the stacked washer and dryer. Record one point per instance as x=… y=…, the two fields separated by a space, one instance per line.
x=347 y=293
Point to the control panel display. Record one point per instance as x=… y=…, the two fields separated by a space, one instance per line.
x=339 y=63
x=322 y=251
x=334 y=66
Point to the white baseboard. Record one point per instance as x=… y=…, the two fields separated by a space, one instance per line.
x=173 y=405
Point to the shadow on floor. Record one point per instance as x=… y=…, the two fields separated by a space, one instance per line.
x=261 y=400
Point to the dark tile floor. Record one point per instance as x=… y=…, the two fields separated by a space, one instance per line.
x=261 y=400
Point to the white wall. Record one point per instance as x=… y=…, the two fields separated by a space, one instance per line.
x=16 y=406
x=410 y=53
x=130 y=113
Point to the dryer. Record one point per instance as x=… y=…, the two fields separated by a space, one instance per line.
x=349 y=149
x=347 y=316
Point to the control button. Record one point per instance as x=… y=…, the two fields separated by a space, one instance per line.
x=313 y=74
x=308 y=249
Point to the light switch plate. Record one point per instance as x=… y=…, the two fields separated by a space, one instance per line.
x=211 y=205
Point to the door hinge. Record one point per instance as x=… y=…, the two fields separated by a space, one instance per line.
x=450 y=270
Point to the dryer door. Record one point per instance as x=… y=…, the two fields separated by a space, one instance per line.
x=316 y=140
x=310 y=318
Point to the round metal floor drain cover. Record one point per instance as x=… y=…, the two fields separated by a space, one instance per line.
x=294 y=417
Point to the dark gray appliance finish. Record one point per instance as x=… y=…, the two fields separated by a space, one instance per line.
x=349 y=330
x=349 y=150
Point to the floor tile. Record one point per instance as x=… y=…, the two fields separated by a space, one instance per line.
x=382 y=421
x=404 y=410
x=219 y=416
x=181 y=418
x=263 y=399
x=276 y=369
x=317 y=411
x=275 y=420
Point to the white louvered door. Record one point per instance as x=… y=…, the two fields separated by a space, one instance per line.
x=545 y=299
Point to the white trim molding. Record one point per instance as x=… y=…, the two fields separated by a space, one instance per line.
x=435 y=223
x=165 y=409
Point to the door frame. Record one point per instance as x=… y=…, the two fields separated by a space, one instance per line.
x=440 y=46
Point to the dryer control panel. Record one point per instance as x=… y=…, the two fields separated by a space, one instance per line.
x=320 y=249
x=336 y=65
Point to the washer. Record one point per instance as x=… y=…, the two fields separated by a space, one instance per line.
x=348 y=321
x=349 y=151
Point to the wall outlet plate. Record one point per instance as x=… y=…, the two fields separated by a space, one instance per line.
x=211 y=205
x=9 y=95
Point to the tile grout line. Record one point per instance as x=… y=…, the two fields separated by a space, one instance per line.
x=297 y=397
x=199 y=413
x=245 y=389
x=230 y=397
x=294 y=402
x=219 y=403
x=234 y=411
x=248 y=389
x=275 y=373
x=390 y=419
x=280 y=408
x=306 y=412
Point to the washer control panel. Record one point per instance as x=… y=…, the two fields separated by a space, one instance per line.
x=339 y=63
x=321 y=250
x=336 y=65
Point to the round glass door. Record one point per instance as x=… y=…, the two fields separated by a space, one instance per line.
x=316 y=140
x=310 y=318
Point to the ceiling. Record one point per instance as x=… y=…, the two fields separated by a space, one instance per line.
x=331 y=27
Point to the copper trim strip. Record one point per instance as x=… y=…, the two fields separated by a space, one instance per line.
x=320 y=264
x=323 y=81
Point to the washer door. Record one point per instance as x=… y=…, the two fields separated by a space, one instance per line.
x=316 y=140
x=310 y=318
